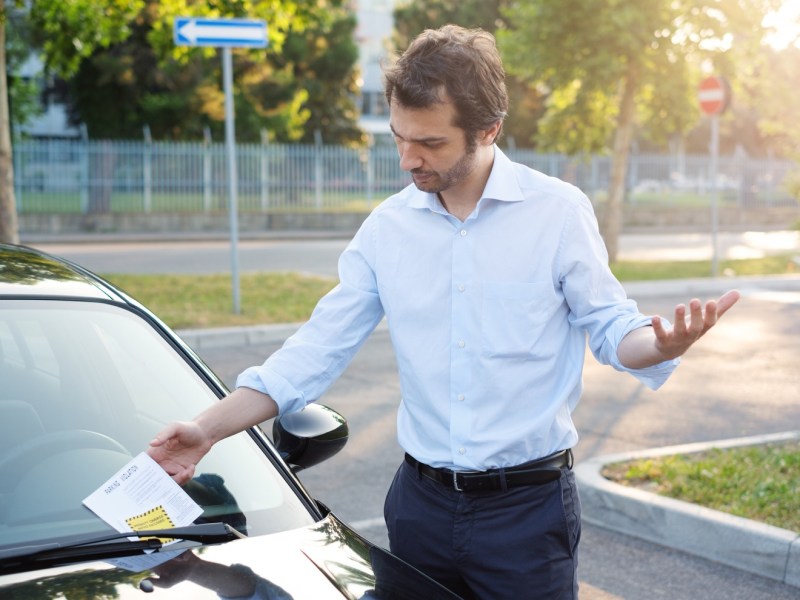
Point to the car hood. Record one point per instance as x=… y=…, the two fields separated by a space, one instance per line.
x=324 y=561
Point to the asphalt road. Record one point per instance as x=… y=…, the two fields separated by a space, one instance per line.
x=318 y=256
x=741 y=379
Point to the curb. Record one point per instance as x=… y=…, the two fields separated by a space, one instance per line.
x=712 y=286
x=228 y=337
x=747 y=545
x=250 y=335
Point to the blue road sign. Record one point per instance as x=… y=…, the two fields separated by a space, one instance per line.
x=220 y=33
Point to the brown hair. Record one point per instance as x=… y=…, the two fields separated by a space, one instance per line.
x=462 y=63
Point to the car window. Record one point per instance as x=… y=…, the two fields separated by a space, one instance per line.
x=84 y=386
x=35 y=351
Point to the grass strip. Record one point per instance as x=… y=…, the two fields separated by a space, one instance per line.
x=200 y=301
x=761 y=483
x=779 y=264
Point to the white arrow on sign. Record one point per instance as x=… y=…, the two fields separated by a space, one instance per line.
x=232 y=33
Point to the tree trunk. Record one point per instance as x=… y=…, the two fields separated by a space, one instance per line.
x=8 y=204
x=612 y=218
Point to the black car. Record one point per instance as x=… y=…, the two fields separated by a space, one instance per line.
x=87 y=377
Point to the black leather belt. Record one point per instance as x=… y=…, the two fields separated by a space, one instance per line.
x=535 y=472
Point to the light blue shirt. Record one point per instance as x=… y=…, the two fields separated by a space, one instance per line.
x=489 y=319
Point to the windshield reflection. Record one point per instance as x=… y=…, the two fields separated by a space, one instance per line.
x=85 y=387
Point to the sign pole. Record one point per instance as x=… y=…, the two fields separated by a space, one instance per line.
x=714 y=193
x=230 y=149
x=225 y=34
x=714 y=96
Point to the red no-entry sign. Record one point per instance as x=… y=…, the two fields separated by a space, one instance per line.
x=713 y=95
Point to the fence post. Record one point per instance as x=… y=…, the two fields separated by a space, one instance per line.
x=84 y=169
x=369 y=165
x=16 y=164
x=207 y=169
x=147 y=169
x=318 y=168
x=264 y=170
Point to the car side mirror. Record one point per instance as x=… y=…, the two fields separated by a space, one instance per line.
x=309 y=437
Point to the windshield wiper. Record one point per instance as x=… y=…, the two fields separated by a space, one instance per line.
x=115 y=544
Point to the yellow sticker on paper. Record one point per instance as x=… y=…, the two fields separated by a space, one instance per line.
x=155 y=518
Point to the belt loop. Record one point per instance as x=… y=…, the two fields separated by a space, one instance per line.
x=418 y=469
x=503 y=482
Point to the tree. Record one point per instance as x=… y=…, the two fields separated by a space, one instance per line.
x=301 y=82
x=8 y=208
x=607 y=65
x=323 y=59
x=70 y=33
x=67 y=32
x=774 y=90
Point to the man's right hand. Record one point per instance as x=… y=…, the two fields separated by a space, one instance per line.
x=180 y=445
x=178 y=448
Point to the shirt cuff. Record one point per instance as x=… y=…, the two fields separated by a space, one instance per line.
x=653 y=376
x=285 y=395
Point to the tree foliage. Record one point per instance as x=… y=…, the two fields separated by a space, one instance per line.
x=609 y=66
x=22 y=94
x=303 y=81
x=127 y=73
x=67 y=33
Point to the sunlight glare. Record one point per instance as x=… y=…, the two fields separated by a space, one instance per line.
x=786 y=22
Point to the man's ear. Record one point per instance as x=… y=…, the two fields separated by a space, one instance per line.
x=489 y=136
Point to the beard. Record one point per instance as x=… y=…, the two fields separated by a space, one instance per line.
x=434 y=181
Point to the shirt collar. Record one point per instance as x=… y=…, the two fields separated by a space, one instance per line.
x=502 y=185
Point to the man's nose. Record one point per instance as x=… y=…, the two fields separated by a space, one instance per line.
x=409 y=158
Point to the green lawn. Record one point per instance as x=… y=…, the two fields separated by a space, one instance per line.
x=755 y=482
x=201 y=301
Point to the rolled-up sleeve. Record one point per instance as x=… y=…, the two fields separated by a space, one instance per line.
x=598 y=303
x=317 y=354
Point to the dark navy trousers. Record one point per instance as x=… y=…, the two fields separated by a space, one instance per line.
x=505 y=545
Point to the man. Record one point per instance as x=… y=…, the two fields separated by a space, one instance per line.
x=492 y=277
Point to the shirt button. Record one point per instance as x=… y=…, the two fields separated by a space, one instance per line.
x=461 y=397
x=462 y=450
x=461 y=288
x=461 y=343
x=463 y=232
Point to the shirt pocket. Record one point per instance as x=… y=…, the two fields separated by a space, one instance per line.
x=513 y=317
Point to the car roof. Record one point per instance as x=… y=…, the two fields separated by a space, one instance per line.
x=28 y=272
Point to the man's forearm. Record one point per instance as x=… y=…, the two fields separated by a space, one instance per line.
x=242 y=408
x=638 y=350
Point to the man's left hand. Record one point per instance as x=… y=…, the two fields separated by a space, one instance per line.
x=687 y=329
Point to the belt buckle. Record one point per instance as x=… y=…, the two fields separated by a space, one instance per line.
x=457 y=473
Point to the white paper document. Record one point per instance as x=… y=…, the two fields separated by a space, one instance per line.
x=142 y=496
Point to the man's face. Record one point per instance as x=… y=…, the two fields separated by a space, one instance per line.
x=431 y=148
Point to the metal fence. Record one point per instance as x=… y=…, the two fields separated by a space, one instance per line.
x=80 y=176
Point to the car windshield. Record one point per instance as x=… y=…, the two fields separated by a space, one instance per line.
x=84 y=386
